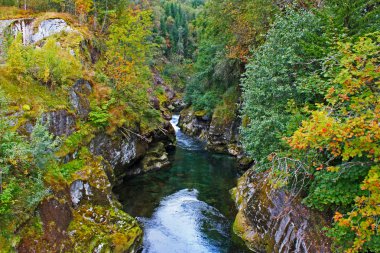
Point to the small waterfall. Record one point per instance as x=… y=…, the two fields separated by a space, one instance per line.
x=174 y=122
x=184 y=141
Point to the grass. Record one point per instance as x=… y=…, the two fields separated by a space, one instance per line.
x=70 y=19
x=7 y=12
x=30 y=92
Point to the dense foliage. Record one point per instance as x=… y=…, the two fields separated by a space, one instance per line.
x=23 y=164
x=281 y=79
x=305 y=74
x=37 y=79
x=44 y=64
x=224 y=45
x=126 y=63
x=175 y=34
x=347 y=130
x=311 y=93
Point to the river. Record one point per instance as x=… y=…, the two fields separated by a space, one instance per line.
x=186 y=208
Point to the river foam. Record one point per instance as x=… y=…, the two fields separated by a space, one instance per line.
x=178 y=223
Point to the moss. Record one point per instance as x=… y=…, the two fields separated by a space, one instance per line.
x=70 y=19
x=29 y=92
x=270 y=244
x=96 y=225
x=236 y=197
x=239 y=226
x=201 y=113
x=33 y=229
x=80 y=138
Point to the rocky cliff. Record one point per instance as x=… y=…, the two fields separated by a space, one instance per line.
x=32 y=30
x=79 y=212
x=270 y=220
x=221 y=135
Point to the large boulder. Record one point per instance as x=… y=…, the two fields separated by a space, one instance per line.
x=221 y=135
x=155 y=158
x=81 y=215
x=120 y=151
x=194 y=123
x=270 y=220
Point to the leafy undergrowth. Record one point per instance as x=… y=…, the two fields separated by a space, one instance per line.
x=26 y=91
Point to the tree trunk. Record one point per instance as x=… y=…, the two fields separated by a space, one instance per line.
x=105 y=17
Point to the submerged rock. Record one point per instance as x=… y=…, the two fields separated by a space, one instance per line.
x=270 y=220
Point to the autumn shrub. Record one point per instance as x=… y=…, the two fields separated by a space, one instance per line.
x=50 y=64
x=347 y=130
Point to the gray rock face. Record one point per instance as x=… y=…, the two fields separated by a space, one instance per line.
x=79 y=97
x=23 y=26
x=45 y=29
x=77 y=191
x=221 y=136
x=119 y=151
x=26 y=27
x=60 y=122
x=50 y=27
x=82 y=191
x=194 y=125
x=155 y=158
x=270 y=221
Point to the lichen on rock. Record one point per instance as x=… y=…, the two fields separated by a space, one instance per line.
x=270 y=220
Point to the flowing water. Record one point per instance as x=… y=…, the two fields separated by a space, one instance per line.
x=186 y=208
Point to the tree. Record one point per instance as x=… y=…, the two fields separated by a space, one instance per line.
x=347 y=129
x=276 y=83
x=224 y=47
x=129 y=49
x=83 y=7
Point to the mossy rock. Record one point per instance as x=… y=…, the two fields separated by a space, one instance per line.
x=104 y=229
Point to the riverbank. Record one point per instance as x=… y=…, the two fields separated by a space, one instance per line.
x=186 y=207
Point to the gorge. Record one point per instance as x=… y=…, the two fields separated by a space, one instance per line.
x=189 y=126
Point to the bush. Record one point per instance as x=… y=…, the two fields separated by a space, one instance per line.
x=51 y=64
